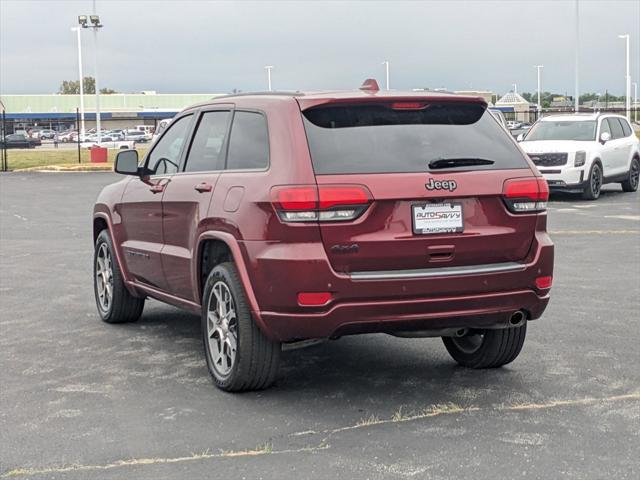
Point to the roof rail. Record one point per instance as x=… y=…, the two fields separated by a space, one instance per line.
x=269 y=93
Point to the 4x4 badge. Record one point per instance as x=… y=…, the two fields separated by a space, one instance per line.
x=450 y=185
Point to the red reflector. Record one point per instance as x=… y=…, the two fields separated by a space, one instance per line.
x=535 y=189
x=544 y=282
x=296 y=198
x=408 y=105
x=331 y=196
x=313 y=299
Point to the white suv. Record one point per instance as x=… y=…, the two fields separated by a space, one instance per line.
x=581 y=152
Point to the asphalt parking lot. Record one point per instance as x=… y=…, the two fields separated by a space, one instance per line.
x=82 y=399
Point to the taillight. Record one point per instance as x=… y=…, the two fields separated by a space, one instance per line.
x=526 y=195
x=325 y=203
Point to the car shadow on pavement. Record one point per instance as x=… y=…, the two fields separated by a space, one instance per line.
x=365 y=370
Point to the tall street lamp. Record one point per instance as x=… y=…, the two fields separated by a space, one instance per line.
x=627 y=80
x=539 y=67
x=635 y=102
x=386 y=65
x=577 y=60
x=268 y=68
x=81 y=129
x=84 y=21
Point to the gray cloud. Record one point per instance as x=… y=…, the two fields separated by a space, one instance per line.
x=206 y=46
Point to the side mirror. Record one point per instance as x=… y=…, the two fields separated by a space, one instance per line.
x=520 y=137
x=127 y=162
x=605 y=137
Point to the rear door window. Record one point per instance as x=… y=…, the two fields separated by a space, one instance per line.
x=625 y=127
x=248 y=142
x=616 y=128
x=207 y=153
x=386 y=138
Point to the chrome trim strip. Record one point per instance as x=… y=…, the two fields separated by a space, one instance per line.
x=439 y=272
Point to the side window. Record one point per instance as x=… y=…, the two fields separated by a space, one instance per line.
x=626 y=128
x=604 y=127
x=206 y=151
x=249 y=142
x=616 y=128
x=165 y=156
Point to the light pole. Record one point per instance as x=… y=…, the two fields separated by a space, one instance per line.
x=386 y=65
x=81 y=130
x=95 y=25
x=627 y=80
x=577 y=60
x=635 y=102
x=268 y=68
x=515 y=88
x=539 y=67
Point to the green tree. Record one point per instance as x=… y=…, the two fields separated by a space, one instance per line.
x=72 y=87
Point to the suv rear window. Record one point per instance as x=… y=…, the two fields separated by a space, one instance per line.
x=376 y=138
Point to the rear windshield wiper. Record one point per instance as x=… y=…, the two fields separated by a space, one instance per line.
x=458 y=162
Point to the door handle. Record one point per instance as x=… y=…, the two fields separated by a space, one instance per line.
x=203 y=187
x=157 y=188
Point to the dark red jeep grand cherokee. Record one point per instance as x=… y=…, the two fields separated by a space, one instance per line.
x=287 y=216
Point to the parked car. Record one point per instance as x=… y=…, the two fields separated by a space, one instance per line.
x=47 y=134
x=137 y=136
x=105 y=137
x=277 y=221
x=513 y=124
x=18 y=140
x=115 y=134
x=68 y=136
x=580 y=153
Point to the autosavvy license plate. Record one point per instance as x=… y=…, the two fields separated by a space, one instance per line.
x=437 y=218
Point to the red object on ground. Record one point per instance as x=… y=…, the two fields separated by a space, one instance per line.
x=98 y=155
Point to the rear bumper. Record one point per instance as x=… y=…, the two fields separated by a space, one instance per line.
x=471 y=311
x=366 y=305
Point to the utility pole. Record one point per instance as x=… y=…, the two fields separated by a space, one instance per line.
x=539 y=67
x=268 y=69
x=627 y=80
x=635 y=102
x=577 y=59
x=95 y=25
x=386 y=65
x=81 y=130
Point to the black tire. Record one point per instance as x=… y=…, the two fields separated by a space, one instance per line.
x=594 y=183
x=256 y=359
x=494 y=347
x=123 y=307
x=631 y=183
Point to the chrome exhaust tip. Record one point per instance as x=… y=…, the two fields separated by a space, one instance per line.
x=517 y=318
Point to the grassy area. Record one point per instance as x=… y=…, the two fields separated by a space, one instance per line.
x=64 y=156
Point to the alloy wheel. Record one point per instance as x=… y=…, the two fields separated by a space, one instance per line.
x=596 y=180
x=222 y=328
x=104 y=277
x=634 y=177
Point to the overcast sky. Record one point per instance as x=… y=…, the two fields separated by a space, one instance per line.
x=206 y=47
